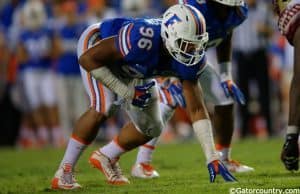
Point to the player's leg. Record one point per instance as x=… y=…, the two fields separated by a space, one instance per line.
x=32 y=80
x=63 y=103
x=51 y=116
x=146 y=124
x=86 y=127
x=290 y=151
x=142 y=167
x=223 y=119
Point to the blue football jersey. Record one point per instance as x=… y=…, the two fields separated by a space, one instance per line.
x=37 y=45
x=218 y=30
x=67 y=62
x=140 y=44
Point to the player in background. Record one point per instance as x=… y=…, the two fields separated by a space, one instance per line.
x=221 y=16
x=72 y=100
x=120 y=56
x=288 y=24
x=35 y=55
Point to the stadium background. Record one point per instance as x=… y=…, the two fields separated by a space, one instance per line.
x=91 y=11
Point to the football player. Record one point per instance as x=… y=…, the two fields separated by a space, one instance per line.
x=221 y=16
x=288 y=24
x=120 y=56
x=34 y=53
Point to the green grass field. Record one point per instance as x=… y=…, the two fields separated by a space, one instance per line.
x=181 y=166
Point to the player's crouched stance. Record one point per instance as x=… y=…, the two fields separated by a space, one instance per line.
x=289 y=26
x=119 y=57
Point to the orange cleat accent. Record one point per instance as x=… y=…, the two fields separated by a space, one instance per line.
x=110 y=169
x=144 y=170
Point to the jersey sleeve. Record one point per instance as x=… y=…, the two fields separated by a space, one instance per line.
x=134 y=45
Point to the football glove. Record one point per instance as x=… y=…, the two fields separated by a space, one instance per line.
x=216 y=167
x=142 y=95
x=290 y=152
x=231 y=89
x=171 y=94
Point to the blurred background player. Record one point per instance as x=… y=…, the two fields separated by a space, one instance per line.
x=288 y=23
x=251 y=43
x=221 y=18
x=34 y=53
x=72 y=100
x=130 y=52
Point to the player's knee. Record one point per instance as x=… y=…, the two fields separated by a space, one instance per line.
x=96 y=115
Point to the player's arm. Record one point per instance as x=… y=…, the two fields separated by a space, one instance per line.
x=203 y=129
x=199 y=116
x=96 y=61
x=194 y=101
x=224 y=55
x=224 y=51
x=100 y=55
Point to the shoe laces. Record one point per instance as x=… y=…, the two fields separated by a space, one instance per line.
x=68 y=176
x=112 y=168
x=117 y=169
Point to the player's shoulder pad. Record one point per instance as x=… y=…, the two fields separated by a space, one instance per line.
x=139 y=40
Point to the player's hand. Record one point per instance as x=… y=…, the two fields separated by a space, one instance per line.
x=173 y=94
x=290 y=152
x=216 y=167
x=142 y=95
x=231 y=89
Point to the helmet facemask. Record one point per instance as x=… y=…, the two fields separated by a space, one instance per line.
x=189 y=52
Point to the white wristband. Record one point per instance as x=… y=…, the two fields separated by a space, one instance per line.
x=105 y=76
x=225 y=70
x=203 y=131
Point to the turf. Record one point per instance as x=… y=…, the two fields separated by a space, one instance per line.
x=181 y=166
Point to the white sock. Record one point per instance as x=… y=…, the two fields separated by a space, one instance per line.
x=112 y=150
x=146 y=151
x=42 y=133
x=292 y=130
x=166 y=112
x=203 y=131
x=73 y=152
x=26 y=133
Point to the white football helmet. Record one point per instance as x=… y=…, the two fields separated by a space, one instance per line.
x=34 y=14
x=231 y=2
x=183 y=31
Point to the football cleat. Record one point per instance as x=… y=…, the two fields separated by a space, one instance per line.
x=235 y=166
x=290 y=152
x=64 y=179
x=144 y=171
x=110 y=169
x=217 y=167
